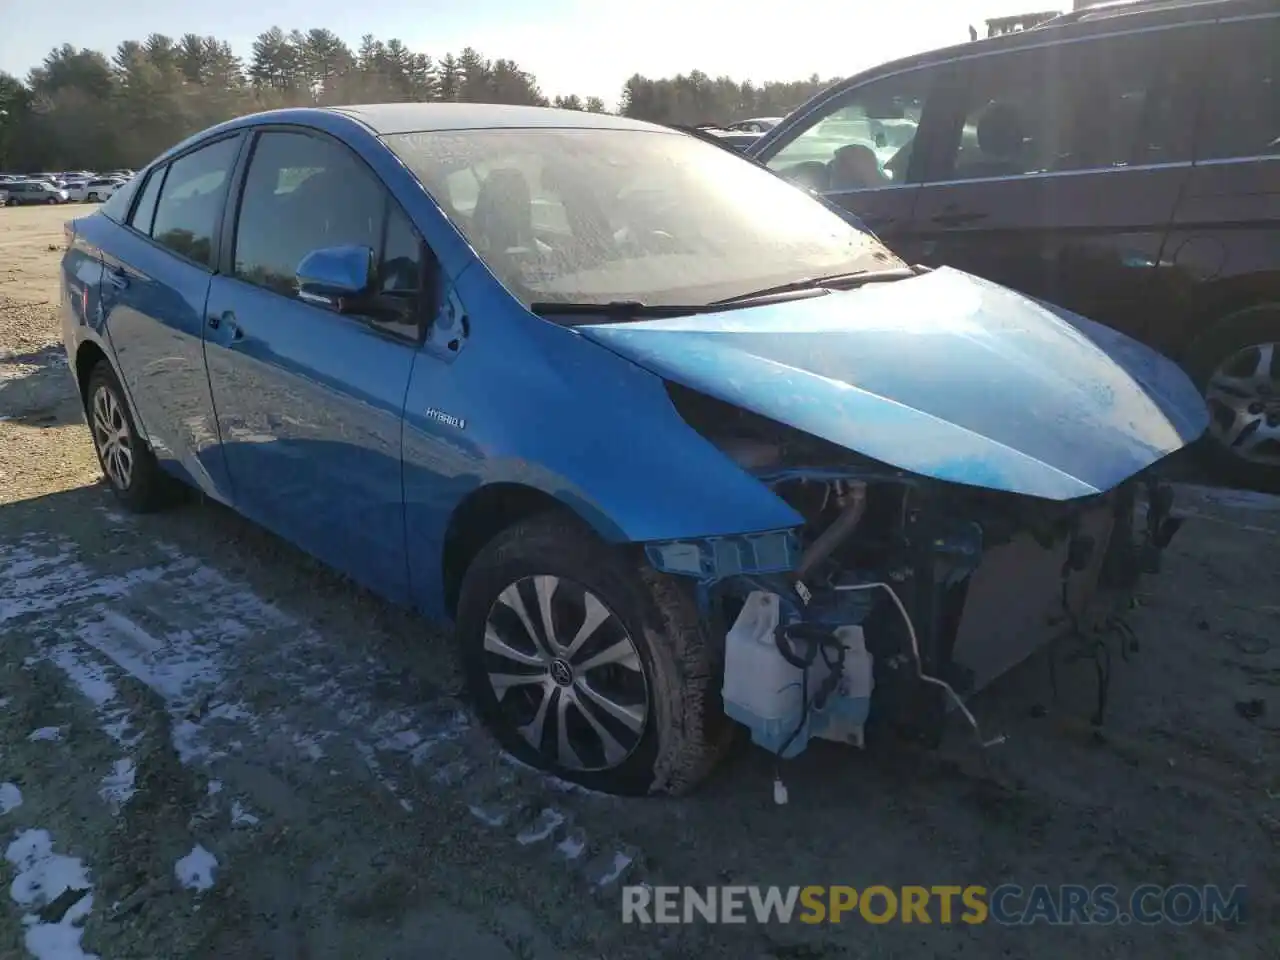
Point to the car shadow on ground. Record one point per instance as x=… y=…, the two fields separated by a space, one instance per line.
x=36 y=388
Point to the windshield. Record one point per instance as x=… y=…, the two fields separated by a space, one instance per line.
x=599 y=216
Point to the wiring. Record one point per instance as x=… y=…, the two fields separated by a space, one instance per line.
x=915 y=653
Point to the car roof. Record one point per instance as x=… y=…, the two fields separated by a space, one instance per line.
x=393 y=118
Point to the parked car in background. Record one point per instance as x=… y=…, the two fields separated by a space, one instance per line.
x=100 y=189
x=1121 y=161
x=754 y=125
x=77 y=190
x=34 y=191
x=4 y=194
x=592 y=389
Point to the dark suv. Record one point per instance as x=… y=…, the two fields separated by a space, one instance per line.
x=1122 y=161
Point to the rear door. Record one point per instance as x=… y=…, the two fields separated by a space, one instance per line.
x=1060 y=166
x=309 y=400
x=1227 y=229
x=858 y=150
x=154 y=285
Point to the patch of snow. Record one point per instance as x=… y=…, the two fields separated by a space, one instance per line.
x=45 y=733
x=491 y=819
x=571 y=847
x=375 y=768
x=241 y=817
x=214 y=787
x=118 y=786
x=43 y=877
x=10 y=797
x=195 y=870
x=309 y=745
x=5 y=701
x=620 y=863
x=94 y=682
x=548 y=821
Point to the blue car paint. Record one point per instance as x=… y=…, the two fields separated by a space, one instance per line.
x=153 y=307
x=545 y=408
x=308 y=408
x=363 y=449
x=943 y=375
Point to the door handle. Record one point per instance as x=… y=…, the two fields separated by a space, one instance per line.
x=958 y=218
x=118 y=278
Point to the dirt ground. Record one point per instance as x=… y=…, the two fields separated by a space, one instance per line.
x=241 y=755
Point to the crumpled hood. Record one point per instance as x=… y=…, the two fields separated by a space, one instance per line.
x=944 y=375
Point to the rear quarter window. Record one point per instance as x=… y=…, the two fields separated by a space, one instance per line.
x=117 y=206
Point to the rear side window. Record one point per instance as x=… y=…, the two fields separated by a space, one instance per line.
x=190 y=203
x=145 y=211
x=1111 y=103
x=117 y=205
x=1241 y=117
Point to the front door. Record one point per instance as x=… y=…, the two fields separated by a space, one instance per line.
x=1058 y=170
x=309 y=400
x=155 y=280
x=858 y=150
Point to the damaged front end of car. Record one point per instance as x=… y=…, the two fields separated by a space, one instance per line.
x=900 y=595
x=965 y=465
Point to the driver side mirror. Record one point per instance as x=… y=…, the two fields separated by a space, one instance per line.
x=341 y=278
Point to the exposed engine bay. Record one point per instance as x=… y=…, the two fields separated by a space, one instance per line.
x=901 y=595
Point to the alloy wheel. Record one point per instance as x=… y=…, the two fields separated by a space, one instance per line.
x=112 y=437
x=566 y=673
x=1244 y=400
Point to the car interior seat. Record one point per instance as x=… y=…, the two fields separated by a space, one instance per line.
x=1001 y=137
x=503 y=218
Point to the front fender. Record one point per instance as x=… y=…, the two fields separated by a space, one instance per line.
x=531 y=403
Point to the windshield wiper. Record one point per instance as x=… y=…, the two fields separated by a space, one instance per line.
x=855 y=279
x=616 y=309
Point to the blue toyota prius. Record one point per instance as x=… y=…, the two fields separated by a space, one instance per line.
x=677 y=449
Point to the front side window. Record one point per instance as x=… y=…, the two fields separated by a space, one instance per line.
x=190 y=202
x=862 y=141
x=304 y=193
x=594 y=216
x=1241 y=115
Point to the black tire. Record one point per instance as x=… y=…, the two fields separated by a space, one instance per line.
x=148 y=488
x=1226 y=338
x=52 y=200
x=685 y=732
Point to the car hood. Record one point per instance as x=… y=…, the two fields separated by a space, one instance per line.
x=943 y=375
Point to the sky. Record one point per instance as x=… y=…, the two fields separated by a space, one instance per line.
x=571 y=46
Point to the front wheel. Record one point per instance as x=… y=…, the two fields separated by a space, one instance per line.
x=586 y=663
x=127 y=463
x=1237 y=366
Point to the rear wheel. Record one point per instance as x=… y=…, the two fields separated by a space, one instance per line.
x=127 y=463
x=1237 y=366
x=585 y=662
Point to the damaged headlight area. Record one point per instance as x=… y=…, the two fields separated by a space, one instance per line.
x=899 y=595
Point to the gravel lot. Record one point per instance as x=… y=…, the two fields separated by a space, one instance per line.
x=242 y=755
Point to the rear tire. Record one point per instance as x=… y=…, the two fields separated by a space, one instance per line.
x=646 y=673
x=1236 y=365
x=129 y=466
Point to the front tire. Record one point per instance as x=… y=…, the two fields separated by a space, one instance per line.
x=586 y=663
x=1236 y=364
x=128 y=465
